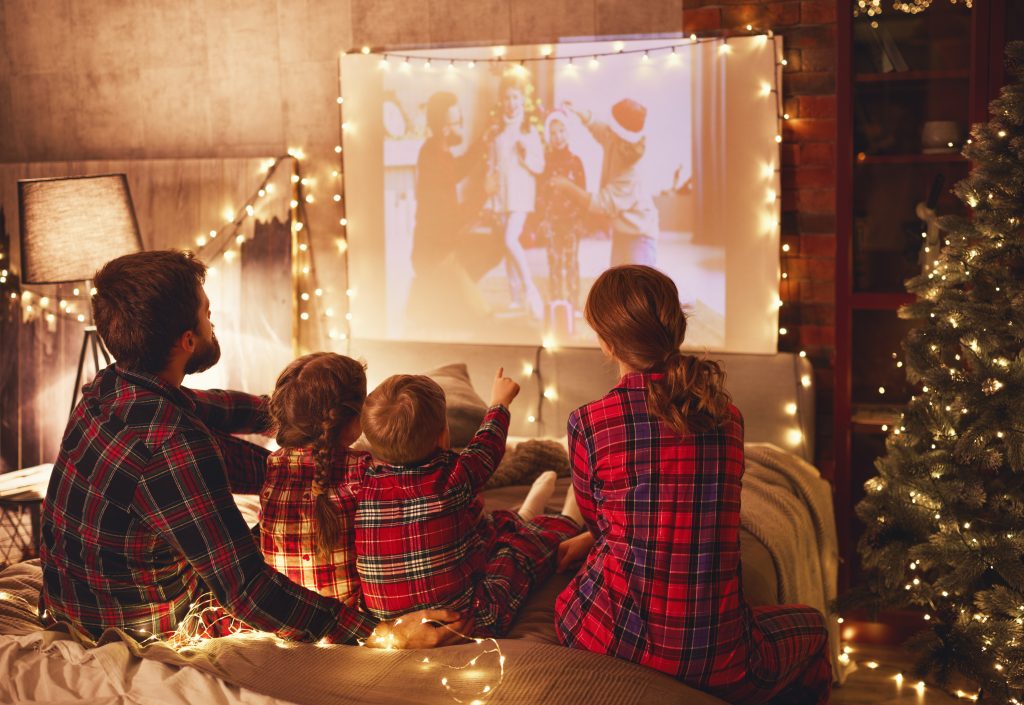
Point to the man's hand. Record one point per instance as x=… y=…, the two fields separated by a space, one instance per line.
x=424 y=629
x=572 y=552
x=504 y=390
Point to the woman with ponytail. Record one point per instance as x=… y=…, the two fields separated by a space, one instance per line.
x=657 y=466
x=309 y=497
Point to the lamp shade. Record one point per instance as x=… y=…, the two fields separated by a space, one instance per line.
x=70 y=227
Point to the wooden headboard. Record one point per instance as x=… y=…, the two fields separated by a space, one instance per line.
x=774 y=392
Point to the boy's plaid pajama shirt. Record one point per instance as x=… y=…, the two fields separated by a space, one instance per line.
x=423 y=539
x=661 y=586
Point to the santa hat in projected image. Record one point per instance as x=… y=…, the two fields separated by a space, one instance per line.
x=629 y=117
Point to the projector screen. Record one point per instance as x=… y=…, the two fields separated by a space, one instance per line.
x=486 y=188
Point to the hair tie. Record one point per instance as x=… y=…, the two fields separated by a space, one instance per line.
x=673 y=356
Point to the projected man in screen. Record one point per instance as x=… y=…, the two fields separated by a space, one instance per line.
x=623 y=197
x=441 y=217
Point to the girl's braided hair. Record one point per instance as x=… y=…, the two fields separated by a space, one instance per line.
x=315 y=399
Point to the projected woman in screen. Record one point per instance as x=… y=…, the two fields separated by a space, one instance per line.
x=516 y=159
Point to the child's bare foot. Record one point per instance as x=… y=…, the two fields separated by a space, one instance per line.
x=538 y=496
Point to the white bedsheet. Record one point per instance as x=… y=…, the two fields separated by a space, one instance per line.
x=43 y=669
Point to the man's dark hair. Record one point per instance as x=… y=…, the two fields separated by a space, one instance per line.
x=144 y=302
x=438 y=106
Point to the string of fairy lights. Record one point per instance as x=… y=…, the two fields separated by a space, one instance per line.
x=222 y=246
x=207 y=619
x=873 y=8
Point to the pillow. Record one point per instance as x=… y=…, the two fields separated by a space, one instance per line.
x=524 y=461
x=466 y=410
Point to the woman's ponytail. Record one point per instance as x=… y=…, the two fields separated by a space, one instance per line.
x=691 y=397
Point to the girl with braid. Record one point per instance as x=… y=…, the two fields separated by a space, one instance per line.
x=657 y=465
x=308 y=500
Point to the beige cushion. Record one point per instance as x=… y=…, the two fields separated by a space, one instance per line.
x=466 y=410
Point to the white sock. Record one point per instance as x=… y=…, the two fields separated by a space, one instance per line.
x=540 y=492
x=570 y=508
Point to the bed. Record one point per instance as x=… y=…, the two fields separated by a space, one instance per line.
x=788 y=551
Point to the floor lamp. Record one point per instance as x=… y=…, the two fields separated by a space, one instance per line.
x=70 y=227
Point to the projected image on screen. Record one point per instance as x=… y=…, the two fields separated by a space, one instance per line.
x=491 y=196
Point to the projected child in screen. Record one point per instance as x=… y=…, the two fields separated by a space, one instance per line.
x=516 y=159
x=561 y=214
x=623 y=197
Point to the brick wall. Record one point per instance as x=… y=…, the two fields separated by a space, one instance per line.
x=808 y=30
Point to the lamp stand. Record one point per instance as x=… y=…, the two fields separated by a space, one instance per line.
x=90 y=341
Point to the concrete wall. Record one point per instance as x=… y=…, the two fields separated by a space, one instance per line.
x=109 y=79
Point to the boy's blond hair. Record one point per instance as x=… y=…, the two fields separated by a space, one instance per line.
x=403 y=418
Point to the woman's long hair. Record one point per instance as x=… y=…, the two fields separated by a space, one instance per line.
x=315 y=399
x=635 y=310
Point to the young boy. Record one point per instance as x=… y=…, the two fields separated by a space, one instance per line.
x=422 y=536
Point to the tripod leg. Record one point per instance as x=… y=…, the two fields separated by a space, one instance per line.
x=78 y=375
x=94 y=339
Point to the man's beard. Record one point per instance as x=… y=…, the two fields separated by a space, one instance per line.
x=205 y=356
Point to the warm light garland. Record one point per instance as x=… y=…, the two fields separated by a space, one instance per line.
x=207 y=619
x=872 y=8
x=219 y=244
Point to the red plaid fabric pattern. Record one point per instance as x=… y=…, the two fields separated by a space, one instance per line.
x=287 y=523
x=423 y=539
x=139 y=519
x=661 y=586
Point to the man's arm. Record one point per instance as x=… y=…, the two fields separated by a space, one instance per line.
x=231 y=412
x=185 y=498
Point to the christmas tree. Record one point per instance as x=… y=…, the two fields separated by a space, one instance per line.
x=945 y=514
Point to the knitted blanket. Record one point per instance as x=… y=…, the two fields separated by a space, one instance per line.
x=788 y=506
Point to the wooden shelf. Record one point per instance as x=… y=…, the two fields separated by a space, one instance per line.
x=904 y=76
x=940 y=158
x=869 y=418
x=883 y=300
